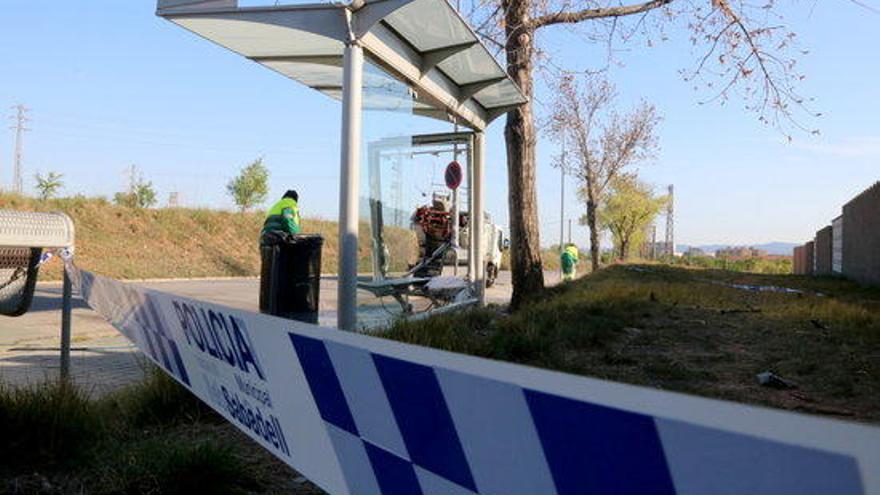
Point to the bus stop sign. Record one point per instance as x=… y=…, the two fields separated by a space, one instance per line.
x=453 y=175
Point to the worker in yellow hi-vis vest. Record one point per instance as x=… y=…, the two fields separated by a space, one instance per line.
x=283 y=216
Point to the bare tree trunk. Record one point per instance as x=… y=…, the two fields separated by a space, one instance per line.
x=525 y=254
x=594 y=231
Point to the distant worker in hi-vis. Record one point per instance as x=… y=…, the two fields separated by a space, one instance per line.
x=283 y=216
x=569 y=261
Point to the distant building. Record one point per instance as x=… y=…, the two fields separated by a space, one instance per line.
x=741 y=252
x=651 y=250
x=694 y=251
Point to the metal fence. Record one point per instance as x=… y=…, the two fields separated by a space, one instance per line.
x=823 y=247
x=837 y=245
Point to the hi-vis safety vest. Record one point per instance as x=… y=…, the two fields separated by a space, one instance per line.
x=573 y=251
x=283 y=216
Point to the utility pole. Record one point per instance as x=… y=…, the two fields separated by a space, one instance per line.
x=21 y=119
x=654 y=242
x=562 y=197
x=670 y=223
x=131 y=177
x=569 y=231
x=562 y=204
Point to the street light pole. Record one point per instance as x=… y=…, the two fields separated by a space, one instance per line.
x=562 y=203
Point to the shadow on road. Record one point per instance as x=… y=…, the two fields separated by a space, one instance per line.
x=97 y=371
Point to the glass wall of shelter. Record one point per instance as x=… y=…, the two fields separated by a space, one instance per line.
x=402 y=69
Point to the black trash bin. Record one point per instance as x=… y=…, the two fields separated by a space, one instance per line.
x=290 y=276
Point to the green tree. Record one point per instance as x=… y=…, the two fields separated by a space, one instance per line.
x=48 y=185
x=251 y=186
x=629 y=208
x=145 y=194
x=141 y=192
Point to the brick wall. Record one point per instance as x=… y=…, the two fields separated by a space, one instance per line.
x=823 y=250
x=861 y=237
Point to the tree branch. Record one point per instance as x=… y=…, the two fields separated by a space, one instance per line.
x=605 y=12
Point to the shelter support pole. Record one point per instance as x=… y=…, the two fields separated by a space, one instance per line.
x=350 y=143
x=471 y=273
x=66 y=308
x=456 y=232
x=478 y=216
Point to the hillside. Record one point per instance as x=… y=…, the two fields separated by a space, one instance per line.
x=129 y=243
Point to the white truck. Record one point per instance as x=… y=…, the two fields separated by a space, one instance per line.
x=494 y=245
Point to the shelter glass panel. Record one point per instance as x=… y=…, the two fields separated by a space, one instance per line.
x=400 y=175
x=261 y=34
x=429 y=25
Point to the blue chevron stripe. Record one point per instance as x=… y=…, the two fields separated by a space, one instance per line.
x=425 y=423
x=323 y=382
x=597 y=449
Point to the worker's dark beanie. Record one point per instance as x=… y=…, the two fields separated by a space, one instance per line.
x=292 y=194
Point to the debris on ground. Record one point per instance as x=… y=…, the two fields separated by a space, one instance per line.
x=760 y=288
x=818 y=324
x=772 y=380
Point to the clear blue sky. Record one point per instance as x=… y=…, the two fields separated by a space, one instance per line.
x=112 y=85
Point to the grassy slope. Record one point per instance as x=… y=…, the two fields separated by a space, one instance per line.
x=122 y=242
x=672 y=328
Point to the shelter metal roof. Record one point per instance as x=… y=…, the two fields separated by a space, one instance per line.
x=424 y=43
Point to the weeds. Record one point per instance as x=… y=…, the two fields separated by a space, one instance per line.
x=158 y=400
x=152 y=437
x=45 y=425
x=175 y=462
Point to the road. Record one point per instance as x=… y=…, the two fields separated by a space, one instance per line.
x=103 y=360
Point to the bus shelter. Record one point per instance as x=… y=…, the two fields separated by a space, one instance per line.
x=424 y=45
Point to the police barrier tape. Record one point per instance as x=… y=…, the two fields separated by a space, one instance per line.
x=361 y=415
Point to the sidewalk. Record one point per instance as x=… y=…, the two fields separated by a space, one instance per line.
x=98 y=366
x=102 y=360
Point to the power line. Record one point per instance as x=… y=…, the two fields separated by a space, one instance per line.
x=21 y=119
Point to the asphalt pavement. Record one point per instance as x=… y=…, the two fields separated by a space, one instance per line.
x=102 y=360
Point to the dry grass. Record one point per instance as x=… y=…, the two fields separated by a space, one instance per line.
x=679 y=329
x=123 y=242
x=152 y=437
